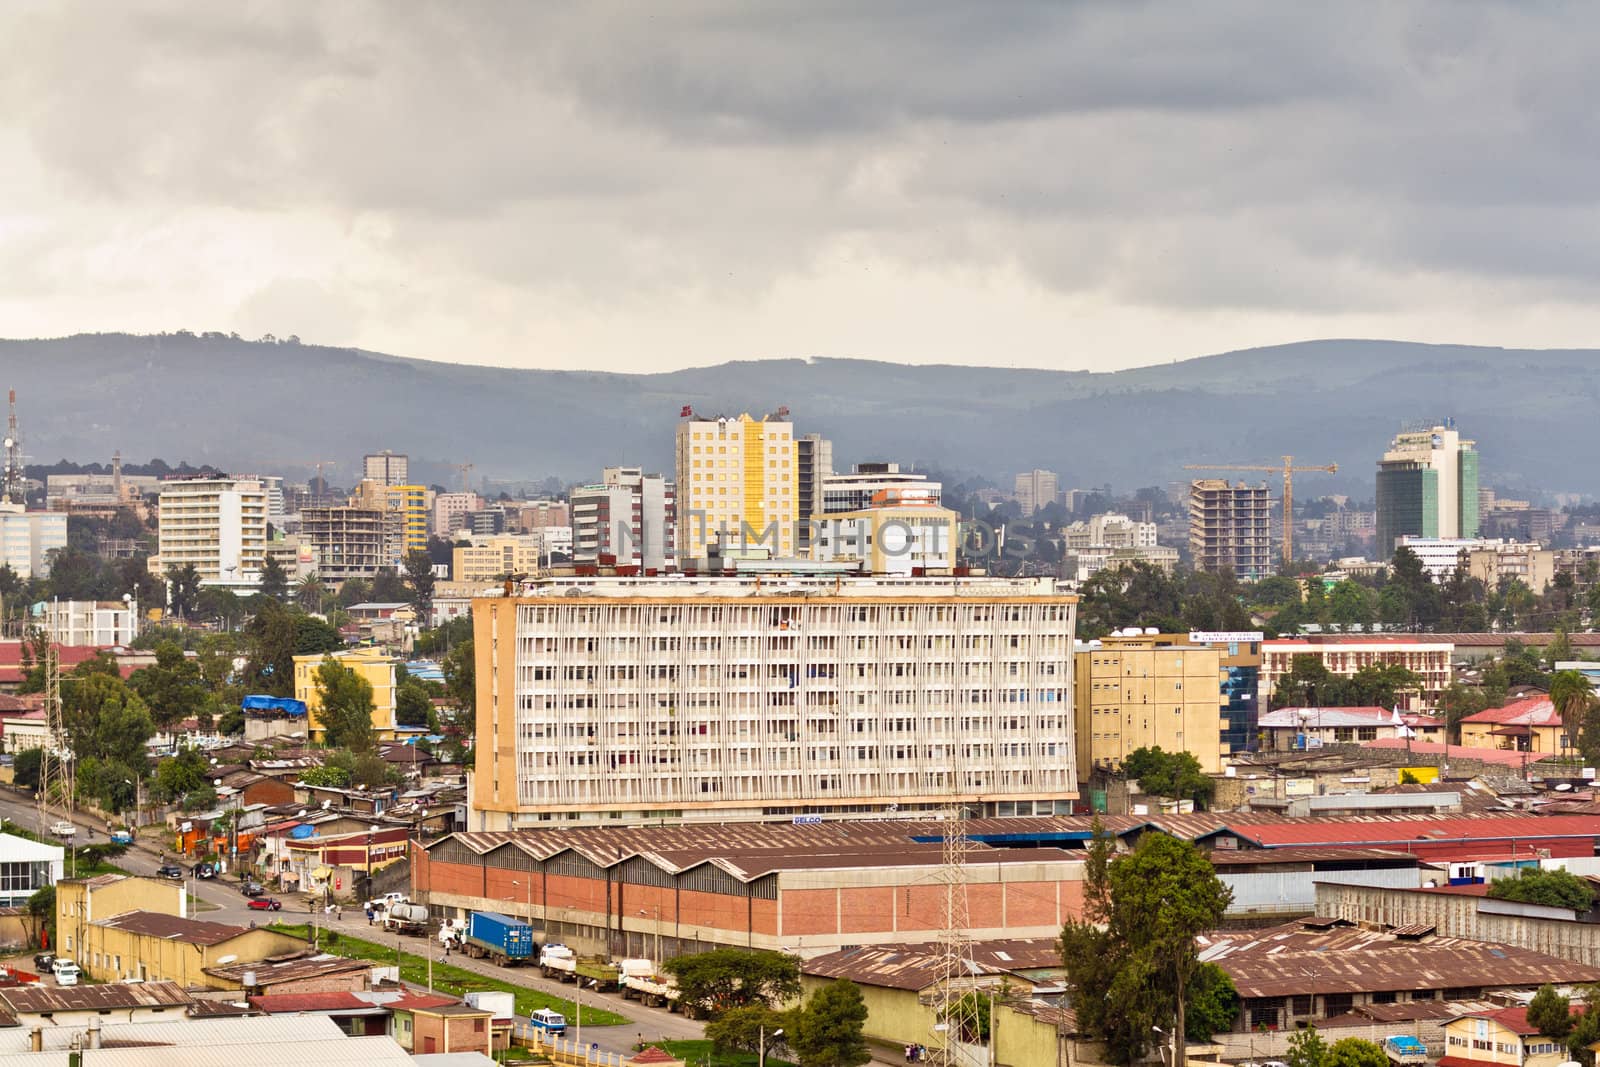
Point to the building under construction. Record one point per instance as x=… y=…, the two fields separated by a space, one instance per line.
x=1230 y=528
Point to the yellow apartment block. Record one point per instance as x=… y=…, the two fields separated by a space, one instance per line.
x=411 y=502
x=376 y=667
x=494 y=559
x=737 y=480
x=1145 y=691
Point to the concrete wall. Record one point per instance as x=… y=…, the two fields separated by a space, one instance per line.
x=1273 y=889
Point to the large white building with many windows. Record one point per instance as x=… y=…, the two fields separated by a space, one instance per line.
x=628 y=699
x=219 y=525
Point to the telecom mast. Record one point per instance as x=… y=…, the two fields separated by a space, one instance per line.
x=54 y=767
x=956 y=1017
x=13 y=486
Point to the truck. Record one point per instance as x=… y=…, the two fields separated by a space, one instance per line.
x=563 y=964
x=406 y=918
x=640 y=982
x=497 y=937
x=1403 y=1050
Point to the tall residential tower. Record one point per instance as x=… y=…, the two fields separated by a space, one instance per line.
x=737 y=486
x=1427 y=487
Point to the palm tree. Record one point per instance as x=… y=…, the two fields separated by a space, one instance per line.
x=308 y=592
x=1573 y=695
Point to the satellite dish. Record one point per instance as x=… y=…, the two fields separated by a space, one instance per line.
x=325 y=804
x=217 y=782
x=225 y=960
x=1562 y=787
x=301 y=813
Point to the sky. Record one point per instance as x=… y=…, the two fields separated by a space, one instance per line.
x=637 y=187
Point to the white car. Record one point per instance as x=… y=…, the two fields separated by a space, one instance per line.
x=63 y=828
x=383 y=902
x=66 y=972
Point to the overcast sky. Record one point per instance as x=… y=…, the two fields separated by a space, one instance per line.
x=652 y=185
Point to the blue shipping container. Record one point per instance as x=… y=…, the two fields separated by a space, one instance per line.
x=511 y=936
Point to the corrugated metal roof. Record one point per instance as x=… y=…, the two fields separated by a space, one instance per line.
x=172 y=927
x=37 y=997
x=1409 y=831
x=324 y=1052
x=228 y=1032
x=1293 y=960
x=273 y=971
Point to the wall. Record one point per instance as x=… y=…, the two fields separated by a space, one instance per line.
x=450 y=1033
x=122 y=954
x=1281 y=889
x=1455 y=915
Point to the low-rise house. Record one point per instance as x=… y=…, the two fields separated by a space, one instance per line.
x=1529 y=725
x=1296 y=729
x=1502 y=1037
x=303 y=973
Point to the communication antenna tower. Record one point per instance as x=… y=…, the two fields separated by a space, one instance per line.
x=13 y=487
x=956 y=1018
x=55 y=774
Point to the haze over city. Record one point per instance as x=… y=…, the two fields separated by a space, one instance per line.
x=1065 y=186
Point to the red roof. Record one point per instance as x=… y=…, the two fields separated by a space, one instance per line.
x=413 y=1001
x=289 y=1003
x=1532 y=711
x=1513 y=1019
x=1319 y=640
x=69 y=656
x=1395 y=832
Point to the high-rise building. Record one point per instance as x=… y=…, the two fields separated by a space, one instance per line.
x=1230 y=528
x=1427 y=487
x=219 y=525
x=1147 y=691
x=28 y=537
x=813 y=463
x=349 y=541
x=386 y=468
x=734 y=698
x=450 y=511
x=411 y=505
x=629 y=516
x=736 y=490
x=1036 y=489
x=875 y=485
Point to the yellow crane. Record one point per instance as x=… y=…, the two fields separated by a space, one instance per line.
x=465 y=469
x=1289 y=470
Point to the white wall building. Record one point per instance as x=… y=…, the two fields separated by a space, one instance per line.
x=872 y=485
x=386 y=468
x=217 y=524
x=898 y=541
x=1037 y=489
x=735 y=698
x=1110 y=530
x=86 y=622
x=28 y=537
x=630 y=515
x=26 y=866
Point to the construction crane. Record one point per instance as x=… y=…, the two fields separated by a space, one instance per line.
x=320 y=481
x=1289 y=470
x=465 y=469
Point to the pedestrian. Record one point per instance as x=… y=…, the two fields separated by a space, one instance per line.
x=908 y=1053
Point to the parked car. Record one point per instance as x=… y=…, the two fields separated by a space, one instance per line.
x=265 y=904
x=43 y=960
x=63 y=828
x=170 y=870
x=380 y=903
x=251 y=889
x=205 y=870
x=66 y=972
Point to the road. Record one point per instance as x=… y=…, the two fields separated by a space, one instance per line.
x=227 y=905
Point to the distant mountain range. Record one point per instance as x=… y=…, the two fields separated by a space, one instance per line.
x=246 y=405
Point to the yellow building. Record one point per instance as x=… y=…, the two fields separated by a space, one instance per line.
x=1529 y=725
x=376 y=667
x=1149 y=690
x=1503 y=1036
x=119 y=926
x=495 y=558
x=410 y=502
x=737 y=486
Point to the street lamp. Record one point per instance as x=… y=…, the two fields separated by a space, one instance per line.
x=369 y=863
x=761 y=1048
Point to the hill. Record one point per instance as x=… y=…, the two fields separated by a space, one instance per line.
x=280 y=407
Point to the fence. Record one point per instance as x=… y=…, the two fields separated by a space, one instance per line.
x=565 y=1049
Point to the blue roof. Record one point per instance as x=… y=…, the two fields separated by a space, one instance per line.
x=265 y=703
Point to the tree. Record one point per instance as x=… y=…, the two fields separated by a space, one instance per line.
x=1458 y=701
x=1559 y=648
x=25 y=768
x=388 y=587
x=1169 y=774
x=740 y=1029
x=274 y=581
x=1356 y=1052
x=413 y=703
x=1307 y=1049
x=222 y=606
x=173 y=688
x=1213 y=1002
x=344 y=707
x=308 y=593
x=1138 y=972
x=460 y=672
x=1573 y=695
x=828 y=1030
x=1551 y=1013
x=42 y=910
x=1553 y=888
x=182 y=776
x=713 y=982
x=183 y=590
x=313 y=636
x=419 y=576
x=271 y=638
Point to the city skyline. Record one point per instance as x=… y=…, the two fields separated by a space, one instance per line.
x=1062 y=187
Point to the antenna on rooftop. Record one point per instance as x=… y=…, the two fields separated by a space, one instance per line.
x=13 y=485
x=955 y=1020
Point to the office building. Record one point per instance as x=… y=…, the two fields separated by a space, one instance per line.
x=1146 y=691
x=529 y=515
x=1109 y=530
x=451 y=509
x=386 y=468
x=875 y=485
x=348 y=541
x=87 y=623
x=813 y=462
x=1230 y=528
x=491 y=559
x=217 y=525
x=904 y=540
x=410 y=505
x=737 y=493
x=1427 y=487
x=771 y=696
x=28 y=537
x=1345 y=654
x=485 y=522
x=629 y=518
x=1036 y=489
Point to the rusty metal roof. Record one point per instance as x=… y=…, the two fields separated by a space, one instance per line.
x=274 y=970
x=172 y=928
x=1295 y=960
x=37 y=997
x=917 y=966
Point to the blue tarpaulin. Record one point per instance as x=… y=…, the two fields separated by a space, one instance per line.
x=303 y=831
x=281 y=704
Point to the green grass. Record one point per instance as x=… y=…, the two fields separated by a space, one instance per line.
x=457 y=981
x=696 y=1053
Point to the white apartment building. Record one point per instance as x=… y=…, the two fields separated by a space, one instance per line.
x=875 y=485
x=1487 y=559
x=217 y=524
x=1110 y=530
x=737 y=486
x=1346 y=654
x=28 y=537
x=629 y=515
x=889 y=540
x=87 y=622
x=1036 y=489
x=618 y=699
x=386 y=468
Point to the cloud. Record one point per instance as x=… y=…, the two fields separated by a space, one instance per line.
x=610 y=185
